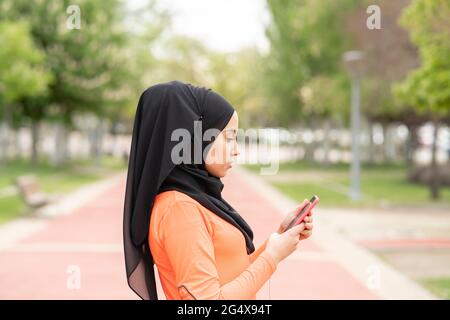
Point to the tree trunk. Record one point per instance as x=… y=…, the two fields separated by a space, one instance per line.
x=59 y=155
x=6 y=130
x=16 y=147
x=326 y=142
x=385 y=153
x=4 y=142
x=434 y=178
x=97 y=142
x=34 y=141
x=310 y=148
x=388 y=147
x=371 y=158
x=411 y=145
x=309 y=151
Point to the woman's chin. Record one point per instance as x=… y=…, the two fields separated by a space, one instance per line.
x=219 y=171
x=223 y=173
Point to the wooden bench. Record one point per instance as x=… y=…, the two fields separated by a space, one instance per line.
x=31 y=191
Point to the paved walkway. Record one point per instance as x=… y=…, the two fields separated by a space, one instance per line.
x=75 y=251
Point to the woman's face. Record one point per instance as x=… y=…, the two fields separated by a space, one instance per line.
x=224 y=149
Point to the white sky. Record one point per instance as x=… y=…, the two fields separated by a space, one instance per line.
x=224 y=25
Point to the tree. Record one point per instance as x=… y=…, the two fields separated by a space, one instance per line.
x=428 y=87
x=93 y=70
x=244 y=68
x=388 y=56
x=325 y=101
x=307 y=40
x=22 y=72
x=189 y=60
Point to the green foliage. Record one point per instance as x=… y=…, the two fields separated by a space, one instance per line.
x=428 y=87
x=325 y=97
x=95 y=68
x=21 y=64
x=307 y=41
x=235 y=75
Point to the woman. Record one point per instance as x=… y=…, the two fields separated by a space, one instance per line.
x=174 y=214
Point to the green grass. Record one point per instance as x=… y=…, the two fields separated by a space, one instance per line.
x=381 y=185
x=10 y=208
x=439 y=286
x=337 y=167
x=56 y=180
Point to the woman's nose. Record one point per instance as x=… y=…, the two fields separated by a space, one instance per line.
x=236 y=149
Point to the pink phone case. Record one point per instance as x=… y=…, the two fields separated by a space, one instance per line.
x=306 y=208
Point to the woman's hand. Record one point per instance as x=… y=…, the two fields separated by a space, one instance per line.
x=280 y=246
x=306 y=233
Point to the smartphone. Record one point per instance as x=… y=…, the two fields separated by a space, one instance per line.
x=303 y=212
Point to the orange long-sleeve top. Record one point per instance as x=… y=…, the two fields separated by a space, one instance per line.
x=201 y=256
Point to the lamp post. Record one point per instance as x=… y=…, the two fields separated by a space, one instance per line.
x=353 y=62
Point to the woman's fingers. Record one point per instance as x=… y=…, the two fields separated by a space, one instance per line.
x=301 y=206
x=305 y=234
x=297 y=229
x=309 y=226
x=290 y=216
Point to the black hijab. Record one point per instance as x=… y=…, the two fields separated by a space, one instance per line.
x=162 y=108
